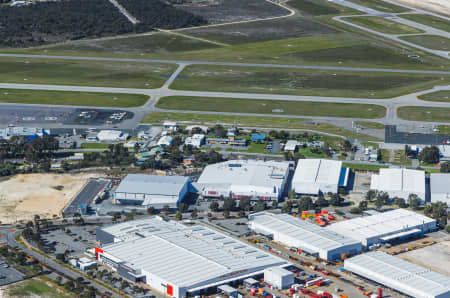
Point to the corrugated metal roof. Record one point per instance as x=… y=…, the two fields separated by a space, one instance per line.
x=302 y=230
x=186 y=255
x=379 y=224
x=400 y=275
x=440 y=183
x=405 y=180
x=152 y=184
x=314 y=175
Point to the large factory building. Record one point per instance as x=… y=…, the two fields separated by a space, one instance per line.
x=176 y=259
x=300 y=234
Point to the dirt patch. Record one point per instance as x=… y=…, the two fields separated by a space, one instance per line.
x=438 y=6
x=24 y=196
x=435 y=257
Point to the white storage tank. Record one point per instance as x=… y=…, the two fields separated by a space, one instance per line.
x=278 y=277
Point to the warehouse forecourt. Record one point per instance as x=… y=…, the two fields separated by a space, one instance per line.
x=319 y=176
x=400 y=275
x=300 y=234
x=152 y=190
x=254 y=179
x=176 y=259
x=384 y=227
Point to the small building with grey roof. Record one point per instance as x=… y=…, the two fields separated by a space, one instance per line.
x=301 y=234
x=152 y=190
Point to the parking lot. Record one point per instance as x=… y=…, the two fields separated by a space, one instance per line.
x=85 y=196
x=8 y=274
x=77 y=241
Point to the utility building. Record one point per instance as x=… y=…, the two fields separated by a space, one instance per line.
x=257 y=180
x=319 y=176
x=384 y=227
x=179 y=260
x=152 y=191
x=395 y=273
x=301 y=234
x=400 y=183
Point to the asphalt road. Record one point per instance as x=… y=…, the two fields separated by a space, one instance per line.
x=85 y=196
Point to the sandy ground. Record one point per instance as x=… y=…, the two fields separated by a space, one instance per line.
x=437 y=6
x=23 y=196
x=435 y=257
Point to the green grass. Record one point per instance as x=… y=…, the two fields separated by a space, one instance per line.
x=36 y=287
x=253 y=121
x=401 y=159
x=429 y=114
x=444 y=129
x=434 y=42
x=363 y=167
x=429 y=20
x=72 y=98
x=94 y=146
x=370 y=144
x=385 y=155
x=383 y=25
x=157 y=43
x=84 y=73
x=298 y=108
x=302 y=82
x=257 y=148
x=439 y=96
x=314 y=8
x=308 y=154
x=380 y=5
x=368 y=124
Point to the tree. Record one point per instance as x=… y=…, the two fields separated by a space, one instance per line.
x=59 y=279
x=292 y=195
x=371 y=195
x=194 y=213
x=346 y=146
x=413 y=201
x=151 y=210
x=229 y=204
x=286 y=208
x=430 y=155
x=275 y=204
x=400 y=202
x=214 y=206
x=356 y=210
x=244 y=204
x=322 y=202
x=447 y=229
x=226 y=213
x=381 y=199
x=181 y=207
x=166 y=210
x=445 y=167
x=335 y=200
x=260 y=206
x=179 y=215
x=305 y=203
x=363 y=205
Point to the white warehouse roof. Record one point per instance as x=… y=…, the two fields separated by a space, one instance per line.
x=440 y=188
x=395 y=273
x=190 y=257
x=295 y=232
x=152 y=184
x=369 y=229
x=400 y=182
x=244 y=177
x=111 y=135
x=313 y=176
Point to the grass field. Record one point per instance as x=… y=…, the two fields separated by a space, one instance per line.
x=368 y=124
x=298 y=108
x=383 y=25
x=250 y=121
x=94 y=146
x=36 y=288
x=380 y=5
x=434 y=42
x=302 y=82
x=119 y=100
x=444 y=129
x=234 y=34
x=431 y=114
x=84 y=73
x=429 y=20
x=441 y=96
x=314 y=8
x=159 y=43
x=363 y=167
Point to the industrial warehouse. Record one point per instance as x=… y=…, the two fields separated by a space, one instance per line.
x=300 y=234
x=257 y=180
x=400 y=182
x=384 y=227
x=319 y=176
x=395 y=273
x=176 y=259
x=440 y=188
x=152 y=191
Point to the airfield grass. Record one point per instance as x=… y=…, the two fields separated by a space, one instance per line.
x=94 y=146
x=36 y=288
x=383 y=25
x=444 y=129
x=434 y=42
x=302 y=82
x=380 y=5
x=314 y=8
x=440 y=96
x=430 y=114
x=368 y=124
x=255 y=121
x=119 y=100
x=298 y=108
x=429 y=20
x=84 y=73
x=363 y=167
